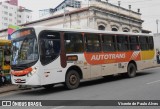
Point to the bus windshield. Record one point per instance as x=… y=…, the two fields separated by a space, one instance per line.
x=24 y=48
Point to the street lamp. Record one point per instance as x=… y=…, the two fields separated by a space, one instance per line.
x=157 y=25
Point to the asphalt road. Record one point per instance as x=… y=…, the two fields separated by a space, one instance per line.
x=145 y=86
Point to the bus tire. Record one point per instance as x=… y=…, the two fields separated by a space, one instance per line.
x=131 y=70
x=49 y=86
x=72 y=80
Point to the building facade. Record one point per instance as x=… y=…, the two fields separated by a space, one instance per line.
x=96 y=15
x=11 y=13
x=65 y=5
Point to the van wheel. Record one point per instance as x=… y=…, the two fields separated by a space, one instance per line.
x=72 y=80
x=49 y=86
x=131 y=70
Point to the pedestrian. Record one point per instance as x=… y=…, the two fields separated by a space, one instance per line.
x=7 y=57
x=158 y=56
x=2 y=79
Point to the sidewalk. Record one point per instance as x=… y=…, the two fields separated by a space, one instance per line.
x=8 y=87
x=11 y=87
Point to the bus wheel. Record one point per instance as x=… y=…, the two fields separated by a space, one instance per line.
x=131 y=70
x=72 y=80
x=49 y=86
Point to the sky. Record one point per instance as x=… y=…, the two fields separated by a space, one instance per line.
x=148 y=8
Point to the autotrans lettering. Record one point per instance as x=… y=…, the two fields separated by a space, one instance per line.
x=107 y=56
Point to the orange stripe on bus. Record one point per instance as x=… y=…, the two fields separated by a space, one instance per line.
x=111 y=57
x=21 y=72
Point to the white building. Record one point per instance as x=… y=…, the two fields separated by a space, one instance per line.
x=11 y=13
x=64 y=6
x=97 y=15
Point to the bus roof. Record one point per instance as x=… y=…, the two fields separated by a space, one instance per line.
x=88 y=31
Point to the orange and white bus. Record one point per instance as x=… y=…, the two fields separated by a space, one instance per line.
x=47 y=56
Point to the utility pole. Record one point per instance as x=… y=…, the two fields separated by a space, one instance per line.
x=64 y=16
x=88 y=15
x=157 y=25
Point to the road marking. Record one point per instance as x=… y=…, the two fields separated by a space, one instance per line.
x=58 y=107
x=153 y=82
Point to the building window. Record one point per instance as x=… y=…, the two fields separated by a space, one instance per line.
x=10 y=14
x=5 y=18
x=5 y=24
x=101 y=27
x=77 y=4
x=135 y=31
x=92 y=42
x=73 y=42
x=125 y=29
x=114 y=29
x=19 y=16
x=10 y=20
x=19 y=21
x=6 y=13
x=6 y=7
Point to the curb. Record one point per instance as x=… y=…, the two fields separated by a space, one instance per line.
x=9 y=88
x=5 y=89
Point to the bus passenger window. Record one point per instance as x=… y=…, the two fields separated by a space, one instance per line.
x=144 y=42
x=134 y=45
x=73 y=42
x=108 y=43
x=151 y=44
x=49 y=46
x=92 y=43
x=122 y=43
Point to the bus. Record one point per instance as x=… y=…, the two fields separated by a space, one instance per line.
x=5 y=53
x=46 y=56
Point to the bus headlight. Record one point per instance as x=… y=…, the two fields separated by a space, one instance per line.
x=32 y=72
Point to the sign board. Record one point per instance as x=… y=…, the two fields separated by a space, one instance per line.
x=11 y=29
